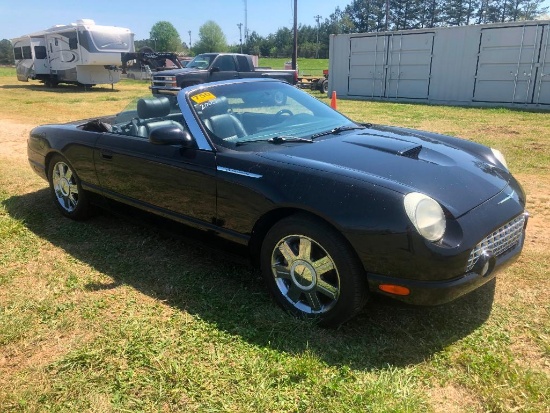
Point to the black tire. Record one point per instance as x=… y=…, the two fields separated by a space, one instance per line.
x=66 y=190
x=324 y=86
x=312 y=272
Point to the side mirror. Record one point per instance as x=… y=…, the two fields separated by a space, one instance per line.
x=215 y=69
x=171 y=135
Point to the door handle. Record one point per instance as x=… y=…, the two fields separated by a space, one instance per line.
x=106 y=154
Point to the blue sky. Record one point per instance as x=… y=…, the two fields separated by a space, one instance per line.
x=264 y=16
x=22 y=17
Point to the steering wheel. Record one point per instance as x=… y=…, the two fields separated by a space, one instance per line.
x=284 y=112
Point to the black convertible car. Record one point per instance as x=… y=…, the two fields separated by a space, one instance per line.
x=331 y=210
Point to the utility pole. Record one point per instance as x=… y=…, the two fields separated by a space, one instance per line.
x=240 y=25
x=317 y=52
x=295 y=46
x=189 y=39
x=245 y=23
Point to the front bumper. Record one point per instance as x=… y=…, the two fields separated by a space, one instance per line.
x=158 y=90
x=441 y=292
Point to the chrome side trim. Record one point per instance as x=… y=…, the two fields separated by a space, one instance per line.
x=237 y=172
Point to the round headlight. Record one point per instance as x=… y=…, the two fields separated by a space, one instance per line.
x=500 y=157
x=426 y=215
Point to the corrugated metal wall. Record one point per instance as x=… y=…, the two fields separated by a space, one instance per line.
x=501 y=64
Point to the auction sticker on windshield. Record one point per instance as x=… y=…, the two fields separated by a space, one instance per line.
x=203 y=97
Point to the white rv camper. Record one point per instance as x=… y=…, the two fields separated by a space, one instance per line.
x=81 y=53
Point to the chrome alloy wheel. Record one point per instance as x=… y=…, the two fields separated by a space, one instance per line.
x=305 y=274
x=65 y=186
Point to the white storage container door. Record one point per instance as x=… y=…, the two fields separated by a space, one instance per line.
x=409 y=66
x=391 y=66
x=507 y=64
x=367 y=66
x=542 y=91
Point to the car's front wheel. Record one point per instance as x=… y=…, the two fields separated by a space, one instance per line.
x=66 y=190
x=312 y=272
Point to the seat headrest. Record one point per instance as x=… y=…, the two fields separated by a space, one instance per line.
x=153 y=107
x=218 y=106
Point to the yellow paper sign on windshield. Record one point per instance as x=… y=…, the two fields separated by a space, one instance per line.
x=203 y=97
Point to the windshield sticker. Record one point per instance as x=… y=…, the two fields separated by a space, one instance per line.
x=203 y=97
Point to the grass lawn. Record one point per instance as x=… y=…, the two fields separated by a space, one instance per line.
x=111 y=315
x=312 y=67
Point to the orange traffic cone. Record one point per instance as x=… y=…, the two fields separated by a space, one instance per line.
x=333 y=100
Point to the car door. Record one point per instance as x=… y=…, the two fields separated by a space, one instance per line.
x=165 y=179
x=224 y=68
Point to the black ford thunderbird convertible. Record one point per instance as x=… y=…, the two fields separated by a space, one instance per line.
x=331 y=210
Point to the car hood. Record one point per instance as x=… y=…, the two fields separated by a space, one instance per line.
x=405 y=161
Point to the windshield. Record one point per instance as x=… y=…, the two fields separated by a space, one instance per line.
x=238 y=114
x=201 y=61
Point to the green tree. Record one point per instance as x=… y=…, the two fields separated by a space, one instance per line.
x=368 y=15
x=145 y=43
x=6 y=52
x=211 y=39
x=256 y=45
x=283 y=42
x=405 y=14
x=459 y=12
x=165 y=38
x=431 y=13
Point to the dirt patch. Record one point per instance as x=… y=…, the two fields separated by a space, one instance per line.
x=530 y=354
x=538 y=199
x=453 y=399
x=13 y=139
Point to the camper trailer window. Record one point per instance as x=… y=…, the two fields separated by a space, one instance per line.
x=73 y=42
x=40 y=52
x=17 y=53
x=27 y=54
x=111 y=41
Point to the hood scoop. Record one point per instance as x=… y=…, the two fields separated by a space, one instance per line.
x=412 y=152
x=387 y=144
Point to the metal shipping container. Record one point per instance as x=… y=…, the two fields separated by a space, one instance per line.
x=504 y=64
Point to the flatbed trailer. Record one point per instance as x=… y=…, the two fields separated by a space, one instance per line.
x=319 y=83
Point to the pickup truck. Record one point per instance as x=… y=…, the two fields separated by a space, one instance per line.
x=211 y=67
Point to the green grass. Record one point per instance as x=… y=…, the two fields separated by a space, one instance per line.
x=312 y=67
x=7 y=71
x=113 y=315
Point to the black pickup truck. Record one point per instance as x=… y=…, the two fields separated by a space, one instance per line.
x=211 y=67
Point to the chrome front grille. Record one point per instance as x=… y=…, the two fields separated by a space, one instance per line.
x=499 y=241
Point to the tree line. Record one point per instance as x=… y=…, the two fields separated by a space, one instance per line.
x=359 y=16
x=362 y=16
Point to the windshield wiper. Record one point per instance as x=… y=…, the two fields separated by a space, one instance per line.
x=337 y=130
x=276 y=140
x=283 y=139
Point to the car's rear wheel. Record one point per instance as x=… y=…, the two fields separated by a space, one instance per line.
x=66 y=190
x=312 y=272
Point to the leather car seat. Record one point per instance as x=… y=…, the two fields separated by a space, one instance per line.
x=152 y=113
x=219 y=121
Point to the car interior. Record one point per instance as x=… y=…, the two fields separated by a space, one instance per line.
x=152 y=114
x=221 y=122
